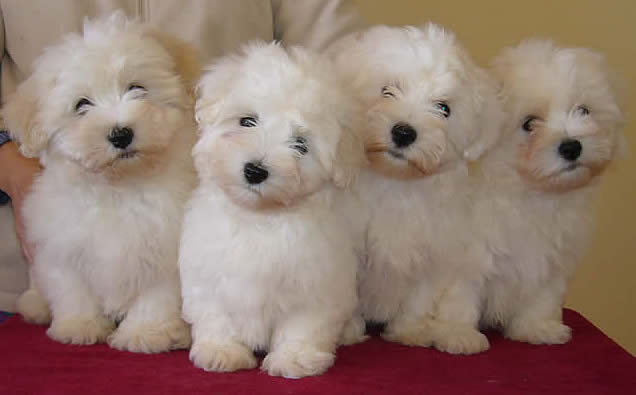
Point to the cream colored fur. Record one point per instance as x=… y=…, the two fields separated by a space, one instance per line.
x=533 y=206
x=270 y=266
x=420 y=271
x=105 y=221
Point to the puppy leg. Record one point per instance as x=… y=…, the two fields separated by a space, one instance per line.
x=304 y=344
x=215 y=345
x=539 y=316
x=32 y=305
x=33 y=308
x=411 y=324
x=77 y=316
x=153 y=324
x=354 y=331
x=454 y=326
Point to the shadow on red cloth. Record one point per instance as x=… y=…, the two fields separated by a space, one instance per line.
x=31 y=363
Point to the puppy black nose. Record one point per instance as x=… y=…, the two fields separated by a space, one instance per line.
x=121 y=137
x=255 y=173
x=403 y=135
x=570 y=149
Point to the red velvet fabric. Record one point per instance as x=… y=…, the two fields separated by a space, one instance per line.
x=31 y=363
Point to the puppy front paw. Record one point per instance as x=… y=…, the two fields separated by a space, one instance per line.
x=151 y=337
x=297 y=362
x=33 y=308
x=222 y=357
x=541 y=332
x=80 y=330
x=459 y=339
x=354 y=332
x=417 y=335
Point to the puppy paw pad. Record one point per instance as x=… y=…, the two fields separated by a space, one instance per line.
x=461 y=341
x=80 y=330
x=545 y=332
x=414 y=335
x=354 y=332
x=33 y=308
x=218 y=357
x=296 y=363
x=151 y=338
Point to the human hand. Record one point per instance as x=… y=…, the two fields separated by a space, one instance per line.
x=17 y=184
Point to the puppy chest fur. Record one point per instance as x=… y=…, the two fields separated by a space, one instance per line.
x=119 y=240
x=266 y=265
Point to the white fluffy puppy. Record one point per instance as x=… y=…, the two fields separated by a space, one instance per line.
x=266 y=263
x=562 y=129
x=429 y=110
x=109 y=114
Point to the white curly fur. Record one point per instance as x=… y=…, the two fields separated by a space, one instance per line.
x=533 y=206
x=421 y=273
x=105 y=221
x=269 y=266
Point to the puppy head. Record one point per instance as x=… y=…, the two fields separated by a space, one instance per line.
x=426 y=105
x=563 y=120
x=109 y=100
x=273 y=126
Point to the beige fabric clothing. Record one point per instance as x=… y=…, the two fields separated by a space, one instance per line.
x=213 y=27
x=13 y=272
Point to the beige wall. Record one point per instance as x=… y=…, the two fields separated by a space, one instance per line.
x=603 y=289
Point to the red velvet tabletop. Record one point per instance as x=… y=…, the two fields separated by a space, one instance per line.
x=31 y=363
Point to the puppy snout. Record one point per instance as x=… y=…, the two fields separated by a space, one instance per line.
x=255 y=173
x=570 y=149
x=121 y=137
x=403 y=135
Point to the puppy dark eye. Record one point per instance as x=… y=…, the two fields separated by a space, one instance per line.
x=132 y=87
x=529 y=123
x=299 y=144
x=386 y=92
x=247 y=122
x=583 y=110
x=443 y=108
x=82 y=104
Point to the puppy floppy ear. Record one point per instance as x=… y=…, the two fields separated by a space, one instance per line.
x=613 y=89
x=490 y=116
x=349 y=158
x=21 y=115
x=185 y=56
x=214 y=87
